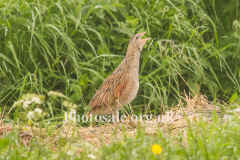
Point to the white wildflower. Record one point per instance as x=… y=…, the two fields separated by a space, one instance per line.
x=37 y=100
x=236 y=110
x=57 y=94
x=26 y=104
x=69 y=105
x=91 y=156
x=28 y=99
x=98 y=6
x=38 y=111
x=70 y=152
x=236 y=24
x=30 y=115
x=18 y=102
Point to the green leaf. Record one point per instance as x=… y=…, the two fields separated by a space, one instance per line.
x=4 y=143
x=233 y=98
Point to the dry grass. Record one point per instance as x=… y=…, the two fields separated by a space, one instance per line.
x=196 y=108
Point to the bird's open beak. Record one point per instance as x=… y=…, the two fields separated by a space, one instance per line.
x=144 y=40
x=141 y=35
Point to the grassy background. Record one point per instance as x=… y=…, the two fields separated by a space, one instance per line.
x=71 y=46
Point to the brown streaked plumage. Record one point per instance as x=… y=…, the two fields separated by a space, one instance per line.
x=121 y=87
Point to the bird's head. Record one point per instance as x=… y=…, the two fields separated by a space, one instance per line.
x=136 y=43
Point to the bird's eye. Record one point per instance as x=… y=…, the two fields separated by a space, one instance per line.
x=137 y=37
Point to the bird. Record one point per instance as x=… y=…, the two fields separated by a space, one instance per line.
x=121 y=87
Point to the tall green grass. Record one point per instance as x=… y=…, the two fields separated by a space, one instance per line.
x=71 y=46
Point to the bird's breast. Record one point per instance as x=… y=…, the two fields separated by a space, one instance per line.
x=132 y=86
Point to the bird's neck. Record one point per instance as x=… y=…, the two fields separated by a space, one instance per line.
x=132 y=60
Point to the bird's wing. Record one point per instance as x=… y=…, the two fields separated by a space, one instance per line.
x=112 y=87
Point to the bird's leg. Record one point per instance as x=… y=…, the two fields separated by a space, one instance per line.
x=131 y=110
x=130 y=119
x=92 y=121
x=116 y=112
x=89 y=117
